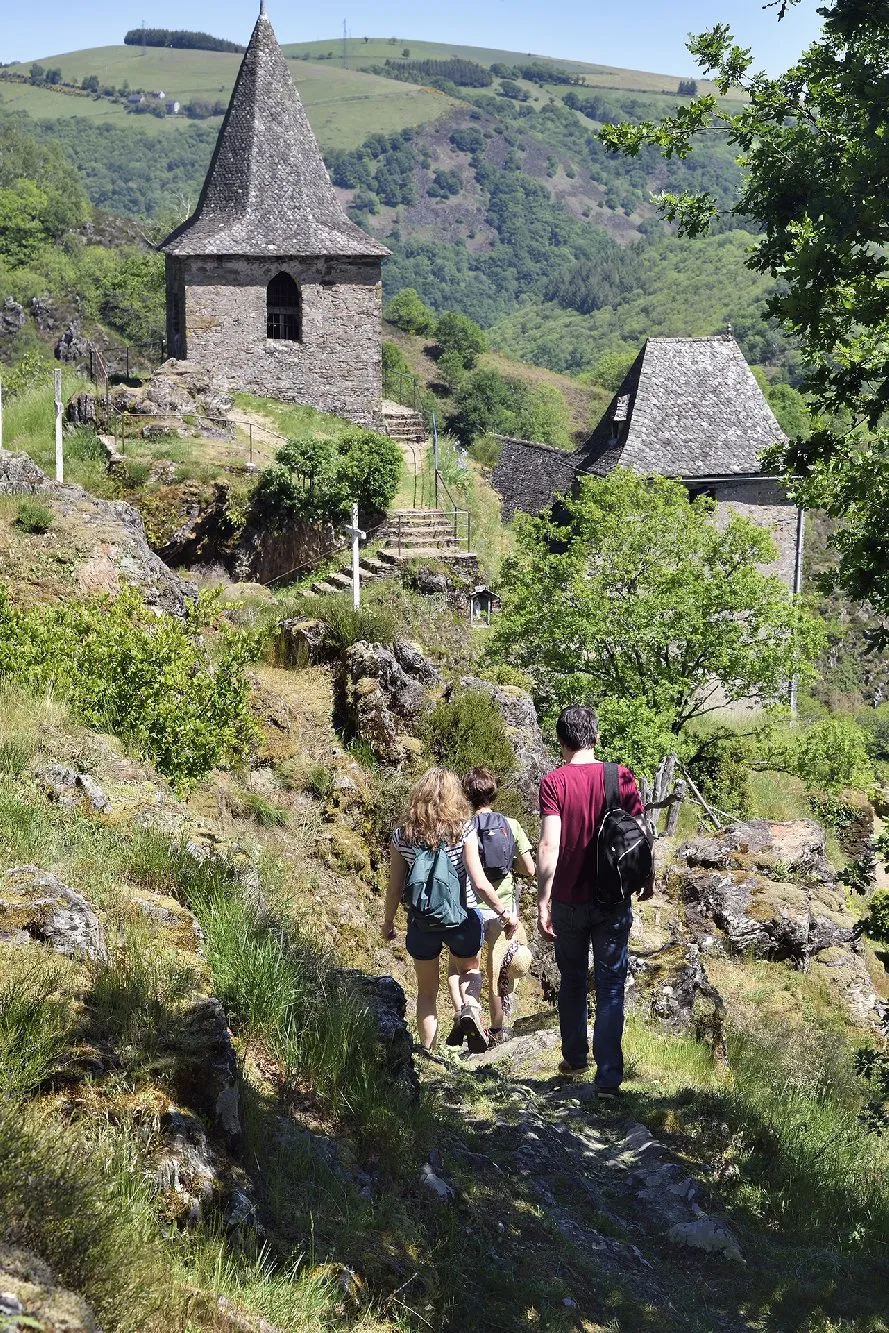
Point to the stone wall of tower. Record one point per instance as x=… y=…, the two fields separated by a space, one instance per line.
x=336 y=365
x=764 y=502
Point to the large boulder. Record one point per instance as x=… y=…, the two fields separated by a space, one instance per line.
x=206 y=1066
x=533 y=760
x=767 y=888
x=105 y=539
x=382 y=691
x=385 y=1003
x=36 y=905
x=12 y=318
x=20 y=475
x=31 y=1298
x=73 y=347
x=671 y=986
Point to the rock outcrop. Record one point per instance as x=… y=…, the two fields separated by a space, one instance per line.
x=106 y=539
x=767 y=888
x=31 y=1298
x=385 y=1001
x=382 y=691
x=36 y=905
x=182 y=393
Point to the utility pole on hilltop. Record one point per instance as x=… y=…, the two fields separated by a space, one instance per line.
x=143 y=37
x=345 y=50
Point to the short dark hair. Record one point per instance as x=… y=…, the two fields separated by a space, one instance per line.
x=578 y=727
x=480 y=786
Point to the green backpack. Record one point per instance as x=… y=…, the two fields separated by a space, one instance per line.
x=432 y=890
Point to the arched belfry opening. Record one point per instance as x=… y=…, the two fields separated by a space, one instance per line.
x=283 y=309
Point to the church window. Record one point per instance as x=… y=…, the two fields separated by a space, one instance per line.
x=284 y=309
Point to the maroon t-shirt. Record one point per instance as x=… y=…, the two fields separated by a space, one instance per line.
x=576 y=792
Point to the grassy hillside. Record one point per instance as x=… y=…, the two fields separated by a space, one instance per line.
x=344 y=105
x=361 y=53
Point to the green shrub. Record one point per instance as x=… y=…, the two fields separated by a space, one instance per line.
x=877 y=919
x=372 y=623
x=320 y=479
x=149 y=678
x=468 y=730
x=406 y=311
x=263 y=812
x=852 y=822
x=84 y=446
x=501 y=673
x=721 y=769
x=833 y=754
x=460 y=335
x=34 y=517
x=320 y=782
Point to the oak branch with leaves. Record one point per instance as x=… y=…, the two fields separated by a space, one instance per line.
x=814 y=146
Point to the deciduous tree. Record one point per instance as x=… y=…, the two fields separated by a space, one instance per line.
x=814 y=143
x=633 y=598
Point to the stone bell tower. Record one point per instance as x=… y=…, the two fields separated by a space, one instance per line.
x=269 y=284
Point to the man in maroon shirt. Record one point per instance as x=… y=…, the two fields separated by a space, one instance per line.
x=572 y=804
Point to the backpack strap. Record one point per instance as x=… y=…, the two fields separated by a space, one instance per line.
x=612 y=787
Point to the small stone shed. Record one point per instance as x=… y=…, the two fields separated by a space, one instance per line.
x=269 y=284
x=687 y=408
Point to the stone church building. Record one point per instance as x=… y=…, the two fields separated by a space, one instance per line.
x=687 y=408
x=269 y=284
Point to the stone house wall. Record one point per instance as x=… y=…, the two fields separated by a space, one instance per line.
x=220 y=307
x=764 y=502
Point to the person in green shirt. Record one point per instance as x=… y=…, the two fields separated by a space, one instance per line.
x=496 y=832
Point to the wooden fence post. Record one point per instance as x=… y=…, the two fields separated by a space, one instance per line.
x=679 y=792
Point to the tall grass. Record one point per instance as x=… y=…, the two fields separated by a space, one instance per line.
x=814 y=1166
x=278 y=985
x=783 y=1115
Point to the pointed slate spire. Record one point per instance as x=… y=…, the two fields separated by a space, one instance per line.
x=267 y=191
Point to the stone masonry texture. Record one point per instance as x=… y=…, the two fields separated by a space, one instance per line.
x=336 y=366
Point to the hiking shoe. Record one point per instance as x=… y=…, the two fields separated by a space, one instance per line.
x=457 y=1032
x=470 y=1023
x=608 y=1094
x=572 y=1071
x=496 y=1036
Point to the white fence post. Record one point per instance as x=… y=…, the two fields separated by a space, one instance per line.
x=357 y=536
x=60 y=457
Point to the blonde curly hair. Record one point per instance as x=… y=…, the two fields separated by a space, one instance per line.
x=437 y=809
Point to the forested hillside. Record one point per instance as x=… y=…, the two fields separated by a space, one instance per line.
x=501 y=203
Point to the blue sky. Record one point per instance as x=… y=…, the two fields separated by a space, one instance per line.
x=638 y=34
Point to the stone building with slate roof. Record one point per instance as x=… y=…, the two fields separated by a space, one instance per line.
x=269 y=284
x=687 y=408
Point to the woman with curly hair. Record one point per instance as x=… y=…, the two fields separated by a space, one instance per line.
x=438 y=815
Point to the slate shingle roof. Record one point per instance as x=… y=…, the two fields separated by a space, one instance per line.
x=688 y=407
x=527 y=475
x=267 y=191
x=692 y=409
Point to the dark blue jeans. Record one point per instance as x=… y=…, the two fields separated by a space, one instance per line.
x=579 y=928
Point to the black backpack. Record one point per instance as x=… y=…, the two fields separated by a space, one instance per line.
x=496 y=845
x=622 y=847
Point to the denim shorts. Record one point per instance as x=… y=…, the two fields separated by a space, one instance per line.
x=464 y=941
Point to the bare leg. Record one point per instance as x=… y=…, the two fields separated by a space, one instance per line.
x=454 y=985
x=427 y=1000
x=495 y=1004
x=470 y=980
